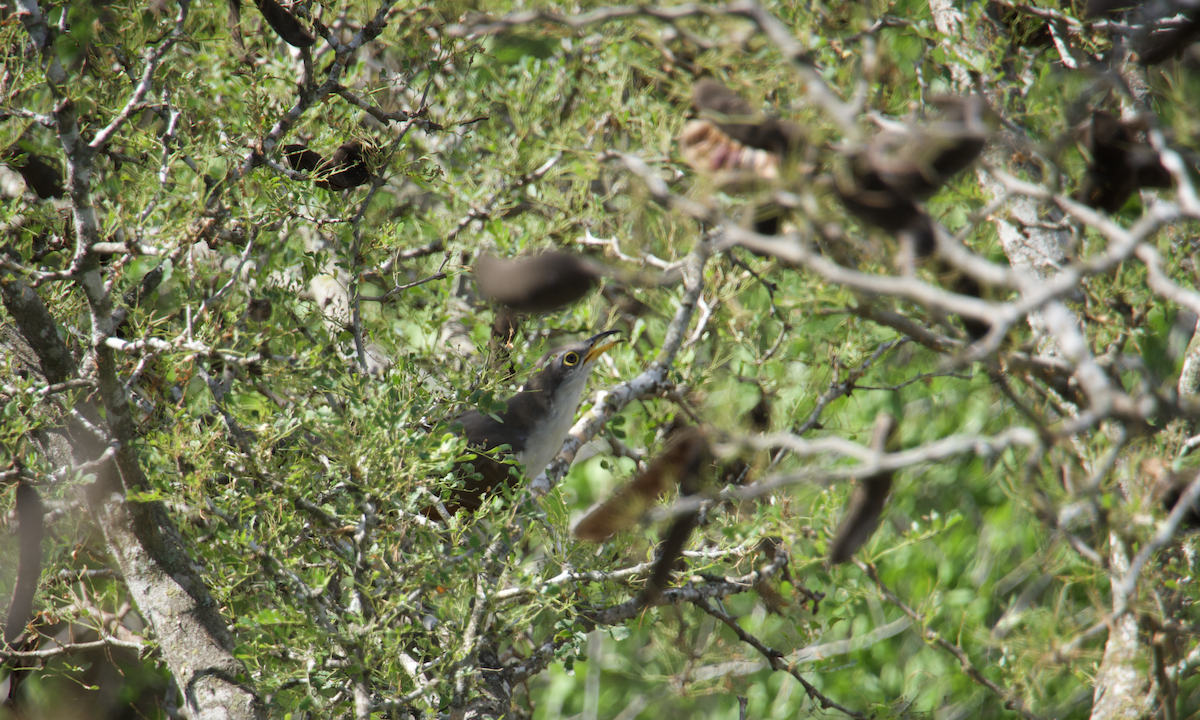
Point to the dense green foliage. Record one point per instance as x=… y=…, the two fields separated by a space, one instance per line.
x=298 y=480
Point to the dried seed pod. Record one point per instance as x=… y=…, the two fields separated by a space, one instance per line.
x=709 y=95
x=873 y=201
x=348 y=167
x=1161 y=44
x=759 y=416
x=301 y=158
x=908 y=163
x=767 y=218
x=686 y=461
x=918 y=237
x=966 y=285
x=30 y=514
x=1119 y=166
x=259 y=309
x=865 y=507
x=709 y=151
x=736 y=119
x=1158 y=41
x=964 y=126
x=1169 y=487
x=284 y=24
x=866 y=196
x=536 y=284
x=915 y=160
x=670 y=556
x=733 y=143
x=43 y=178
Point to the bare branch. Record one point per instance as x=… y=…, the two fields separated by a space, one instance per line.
x=106 y=641
x=154 y=56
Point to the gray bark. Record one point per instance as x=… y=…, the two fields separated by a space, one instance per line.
x=1120 y=691
x=145 y=545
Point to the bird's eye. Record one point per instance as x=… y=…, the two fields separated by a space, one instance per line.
x=571 y=359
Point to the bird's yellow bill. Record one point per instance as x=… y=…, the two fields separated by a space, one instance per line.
x=599 y=350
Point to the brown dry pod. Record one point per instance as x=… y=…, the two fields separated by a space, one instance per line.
x=684 y=462
x=1165 y=43
x=865 y=507
x=284 y=24
x=915 y=162
x=30 y=513
x=347 y=167
x=43 y=178
x=1120 y=165
x=710 y=151
x=759 y=416
x=259 y=309
x=964 y=284
x=867 y=197
x=733 y=144
x=301 y=158
x=734 y=116
x=537 y=283
x=709 y=95
x=1167 y=28
x=670 y=556
x=1169 y=487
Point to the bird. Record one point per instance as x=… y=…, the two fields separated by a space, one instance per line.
x=533 y=424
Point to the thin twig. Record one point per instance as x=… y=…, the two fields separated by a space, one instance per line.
x=774 y=657
x=1011 y=702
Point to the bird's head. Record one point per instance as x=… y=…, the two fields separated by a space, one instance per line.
x=563 y=371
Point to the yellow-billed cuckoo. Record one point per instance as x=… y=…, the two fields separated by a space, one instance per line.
x=535 y=422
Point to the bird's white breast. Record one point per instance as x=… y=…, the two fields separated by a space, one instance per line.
x=545 y=442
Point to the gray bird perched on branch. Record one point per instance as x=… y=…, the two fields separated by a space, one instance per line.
x=533 y=425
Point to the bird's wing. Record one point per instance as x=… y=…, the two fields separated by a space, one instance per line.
x=486 y=432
